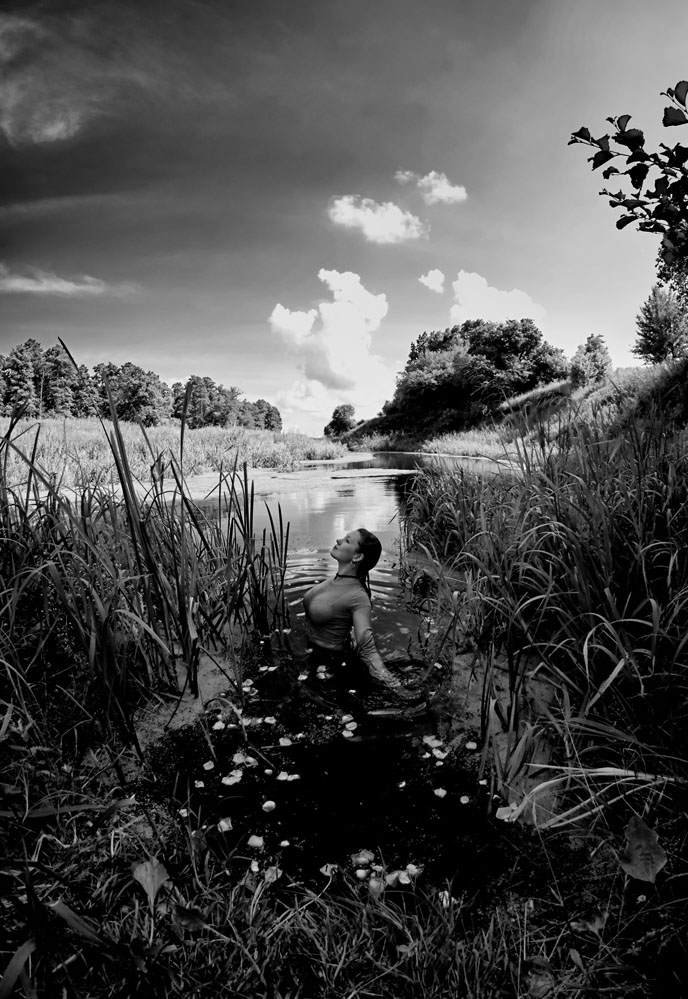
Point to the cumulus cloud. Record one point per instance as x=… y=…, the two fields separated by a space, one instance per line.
x=335 y=353
x=379 y=223
x=434 y=280
x=476 y=299
x=435 y=187
x=38 y=282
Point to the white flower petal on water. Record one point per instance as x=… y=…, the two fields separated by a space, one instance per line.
x=209 y=765
x=351 y=726
x=257 y=842
x=251 y=761
x=376 y=887
x=233 y=778
x=218 y=726
x=268 y=772
x=272 y=874
x=302 y=677
x=283 y=775
x=239 y=758
x=263 y=669
x=471 y=745
x=270 y=720
x=432 y=741
x=464 y=799
x=285 y=741
x=508 y=813
x=183 y=812
x=361 y=873
x=347 y=734
x=404 y=878
x=439 y=763
x=347 y=718
x=413 y=870
x=440 y=792
x=483 y=782
x=441 y=754
x=224 y=825
x=269 y=806
x=285 y=842
x=294 y=777
x=401 y=784
x=255 y=866
x=362 y=858
x=199 y=783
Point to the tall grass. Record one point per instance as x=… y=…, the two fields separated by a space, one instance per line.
x=107 y=595
x=76 y=451
x=575 y=565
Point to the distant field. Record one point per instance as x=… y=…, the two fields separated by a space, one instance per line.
x=78 y=451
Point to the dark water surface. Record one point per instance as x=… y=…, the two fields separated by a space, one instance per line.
x=380 y=785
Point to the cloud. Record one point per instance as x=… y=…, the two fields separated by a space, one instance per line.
x=476 y=299
x=38 y=282
x=379 y=223
x=435 y=187
x=335 y=353
x=434 y=280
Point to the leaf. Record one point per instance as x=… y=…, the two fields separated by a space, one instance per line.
x=75 y=921
x=626 y=220
x=638 y=173
x=638 y=156
x=642 y=857
x=189 y=919
x=582 y=135
x=681 y=91
x=632 y=139
x=151 y=875
x=674 y=116
x=622 y=121
x=609 y=171
x=599 y=158
x=14 y=968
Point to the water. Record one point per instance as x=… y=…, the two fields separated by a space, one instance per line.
x=383 y=788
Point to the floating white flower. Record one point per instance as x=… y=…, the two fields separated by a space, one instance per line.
x=347 y=734
x=224 y=825
x=285 y=741
x=209 y=765
x=219 y=724
x=183 y=812
x=440 y=792
x=464 y=799
x=270 y=720
x=361 y=873
x=285 y=842
x=471 y=745
x=257 y=842
x=269 y=806
x=199 y=783
x=255 y=866
x=362 y=858
x=233 y=778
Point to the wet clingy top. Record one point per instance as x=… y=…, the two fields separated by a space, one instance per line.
x=329 y=611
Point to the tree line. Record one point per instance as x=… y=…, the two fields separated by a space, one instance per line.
x=46 y=383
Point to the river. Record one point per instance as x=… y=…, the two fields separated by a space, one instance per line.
x=322 y=500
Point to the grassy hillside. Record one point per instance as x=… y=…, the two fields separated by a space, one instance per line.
x=627 y=395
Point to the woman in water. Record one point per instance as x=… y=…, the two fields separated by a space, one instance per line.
x=343 y=600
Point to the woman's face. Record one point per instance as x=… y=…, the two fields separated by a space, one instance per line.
x=345 y=548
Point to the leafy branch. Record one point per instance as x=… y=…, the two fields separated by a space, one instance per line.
x=662 y=208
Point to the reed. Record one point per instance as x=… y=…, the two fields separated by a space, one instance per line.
x=573 y=563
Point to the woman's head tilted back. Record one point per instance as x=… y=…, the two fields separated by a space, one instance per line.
x=370 y=548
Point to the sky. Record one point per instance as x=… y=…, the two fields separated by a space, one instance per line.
x=284 y=195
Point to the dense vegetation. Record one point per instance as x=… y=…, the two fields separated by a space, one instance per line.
x=47 y=383
x=562 y=584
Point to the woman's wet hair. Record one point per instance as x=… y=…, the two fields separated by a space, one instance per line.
x=370 y=548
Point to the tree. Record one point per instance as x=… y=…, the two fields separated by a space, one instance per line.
x=591 y=362
x=662 y=325
x=662 y=209
x=137 y=395
x=342 y=420
x=19 y=376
